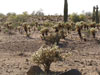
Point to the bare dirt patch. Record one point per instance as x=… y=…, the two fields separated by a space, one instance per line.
x=16 y=51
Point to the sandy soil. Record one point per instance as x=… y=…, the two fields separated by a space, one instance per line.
x=16 y=51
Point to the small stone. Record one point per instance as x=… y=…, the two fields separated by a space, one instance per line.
x=34 y=70
x=72 y=72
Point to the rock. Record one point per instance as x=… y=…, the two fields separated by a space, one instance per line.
x=72 y=72
x=21 y=54
x=34 y=70
x=98 y=70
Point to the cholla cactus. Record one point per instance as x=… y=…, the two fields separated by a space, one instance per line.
x=78 y=28
x=72 y=25
x=67 y=26
x=62 y=34
x=26 y=29
x=29 y=28
x=60 y=25
x=53 y=38
x=45 y=56
x=56 y=28
x=98 y=25
x=9 y=27
x=85 y=26
x=93 y=24
x=44 y=31
x=47 y=24
x=19 y=29
x=93 y=32
x=36 y=24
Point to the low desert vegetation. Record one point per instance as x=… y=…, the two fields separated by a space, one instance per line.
x=53 y=30
x=93 y=32
x=46 y=56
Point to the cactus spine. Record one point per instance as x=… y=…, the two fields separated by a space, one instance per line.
x=65 y=11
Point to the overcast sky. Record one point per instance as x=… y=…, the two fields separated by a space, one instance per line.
x=48 y=6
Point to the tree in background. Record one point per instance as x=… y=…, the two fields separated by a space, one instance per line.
x=65 y=11
x=2 y=18
x=39 y=13
x=82 y=17
x=88 y=14
x=74 y=17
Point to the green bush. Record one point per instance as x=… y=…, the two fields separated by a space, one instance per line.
x=82 y=17
x=74 y=17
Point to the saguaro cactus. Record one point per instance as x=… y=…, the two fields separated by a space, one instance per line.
x=97 y=16
x=93 y=17
x=65 y=11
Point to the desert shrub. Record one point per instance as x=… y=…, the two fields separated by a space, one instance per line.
x=74 y=17
x=82 y=17
x=46 y=56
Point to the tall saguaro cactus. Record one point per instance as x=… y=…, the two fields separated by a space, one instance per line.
x=93 y=17
x=65 y=11
x=97 y=16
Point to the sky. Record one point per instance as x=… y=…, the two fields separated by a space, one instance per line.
x=50 y=7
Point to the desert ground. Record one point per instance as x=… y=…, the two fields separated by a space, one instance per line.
x=16 y=51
